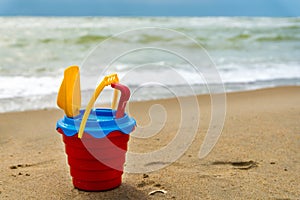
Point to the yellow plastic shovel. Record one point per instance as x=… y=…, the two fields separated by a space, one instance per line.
x=69 y=95
x=107 y=80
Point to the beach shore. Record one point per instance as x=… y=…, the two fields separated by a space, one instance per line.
x=256 y=157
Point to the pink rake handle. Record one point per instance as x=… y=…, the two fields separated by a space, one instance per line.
x=125 y=94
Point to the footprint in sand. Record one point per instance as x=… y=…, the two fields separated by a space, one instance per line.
x=242 y=165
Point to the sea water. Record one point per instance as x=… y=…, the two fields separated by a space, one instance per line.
x=248 y=53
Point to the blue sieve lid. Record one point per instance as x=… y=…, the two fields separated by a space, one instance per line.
x=100 y=123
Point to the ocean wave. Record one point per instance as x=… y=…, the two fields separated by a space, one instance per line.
x=180 y=75
x=247 y=51
x=278 y=38
x=242 y=36
x=90 y=39
x=85 y=39
x=20 y=86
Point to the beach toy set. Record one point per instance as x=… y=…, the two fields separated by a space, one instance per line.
x=95 y=138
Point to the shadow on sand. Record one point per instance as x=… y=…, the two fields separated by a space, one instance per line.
x=125 y=191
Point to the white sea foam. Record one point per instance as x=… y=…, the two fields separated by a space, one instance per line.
x=19 y=86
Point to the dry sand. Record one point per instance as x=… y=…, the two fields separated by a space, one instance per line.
x=256 y=157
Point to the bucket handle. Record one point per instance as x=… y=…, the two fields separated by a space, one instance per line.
x=125 y=94
x=107 y=80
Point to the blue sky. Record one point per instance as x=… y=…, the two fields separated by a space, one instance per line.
x=150 y=7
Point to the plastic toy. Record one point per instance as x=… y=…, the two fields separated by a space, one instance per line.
x=96 y=158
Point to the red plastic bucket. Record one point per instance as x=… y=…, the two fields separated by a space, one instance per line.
x=96 y=160
x=88 y=172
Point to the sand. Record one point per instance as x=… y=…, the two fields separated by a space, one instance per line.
x=256 y=157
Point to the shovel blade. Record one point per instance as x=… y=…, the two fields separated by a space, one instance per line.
x=69 y=95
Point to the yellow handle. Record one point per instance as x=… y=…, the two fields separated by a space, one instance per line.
x=107 y=80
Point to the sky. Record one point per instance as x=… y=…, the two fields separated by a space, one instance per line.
x=273 y=8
